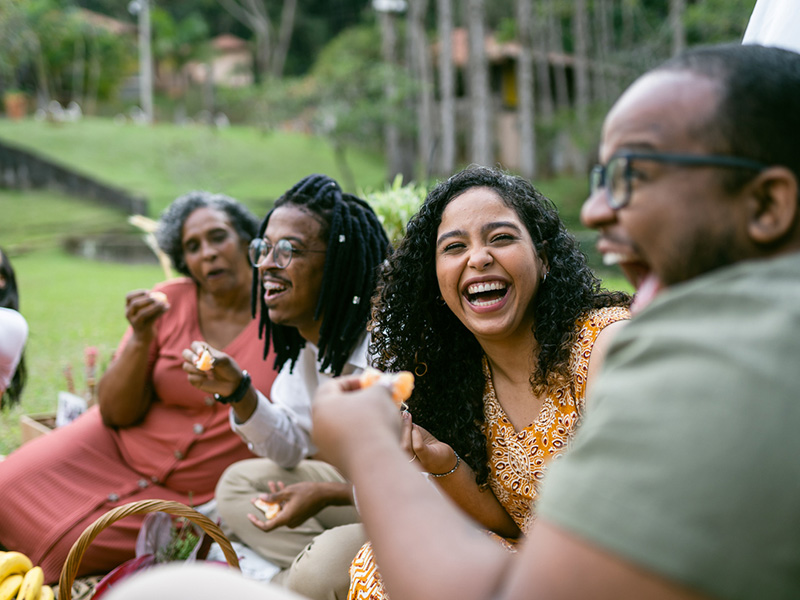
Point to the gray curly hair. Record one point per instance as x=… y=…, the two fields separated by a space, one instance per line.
x=170 y=224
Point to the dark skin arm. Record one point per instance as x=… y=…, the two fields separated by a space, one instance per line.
x=123 y=393
x=449 y=556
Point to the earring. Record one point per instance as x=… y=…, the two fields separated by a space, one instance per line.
x=544 y=277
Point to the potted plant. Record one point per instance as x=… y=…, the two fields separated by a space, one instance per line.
x=15 y=104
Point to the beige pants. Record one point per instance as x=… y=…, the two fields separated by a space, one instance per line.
x=316 y=556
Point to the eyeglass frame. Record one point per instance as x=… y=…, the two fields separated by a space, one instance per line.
x=265 y=248
x=598 y=176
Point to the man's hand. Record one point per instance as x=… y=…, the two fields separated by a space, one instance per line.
x=223 y=376
x=346 y=417
x=300 y=501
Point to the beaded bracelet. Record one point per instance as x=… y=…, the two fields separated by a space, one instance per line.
x=453 y=470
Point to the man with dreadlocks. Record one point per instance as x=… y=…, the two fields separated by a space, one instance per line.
x=317 y=255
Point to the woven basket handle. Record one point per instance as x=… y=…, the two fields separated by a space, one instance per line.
x=137 y=508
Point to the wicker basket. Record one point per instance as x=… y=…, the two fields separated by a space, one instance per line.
x=75 y=554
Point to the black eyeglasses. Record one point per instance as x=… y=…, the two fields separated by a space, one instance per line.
x=282 y=252
x=616 y=175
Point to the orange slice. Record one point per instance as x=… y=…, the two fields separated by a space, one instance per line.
x=270 y=509
x=401 y=384
x=205 y=361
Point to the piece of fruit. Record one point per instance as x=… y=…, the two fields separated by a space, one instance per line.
x=14 y=562
x=47 y=593
x=31 y=584
x=270 y=509
x=10 y=586
x=401 y=384
x=205 y=361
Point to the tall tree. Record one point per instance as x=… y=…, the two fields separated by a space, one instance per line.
x=603 y=46
x=480 y=99
x=271 y=50
x=676 y=10
x=421 y=68
x=544 y=85
x=525 y=109
x=447 y=87
x=555 y=41
x=580 y=35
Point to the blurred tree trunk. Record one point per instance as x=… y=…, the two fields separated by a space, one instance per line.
x=253 y=15
x=480 y=99
x=447 y=86
x=421 y=63
x=555 y=41
x=676 y=10
x=544 y=84
x=391 y=134
x=580 y=34
x=628 y=23
x=284 y=38
x=603 y=45
x=525 y=108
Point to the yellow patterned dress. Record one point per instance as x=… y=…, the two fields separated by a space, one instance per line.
x=518 y=459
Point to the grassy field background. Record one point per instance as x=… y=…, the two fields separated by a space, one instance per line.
x=72 y=302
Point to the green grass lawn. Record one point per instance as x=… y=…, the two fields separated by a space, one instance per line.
x=162 y=161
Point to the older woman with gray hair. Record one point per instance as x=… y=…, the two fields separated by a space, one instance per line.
x=152 y=434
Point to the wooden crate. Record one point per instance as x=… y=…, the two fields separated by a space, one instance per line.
x=32 y=426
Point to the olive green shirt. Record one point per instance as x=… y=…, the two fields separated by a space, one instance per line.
x=688 y=461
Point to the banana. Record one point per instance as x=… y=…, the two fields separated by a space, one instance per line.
x=14 y=562
x=31 y=584
x=47 y=593
x=10 y=587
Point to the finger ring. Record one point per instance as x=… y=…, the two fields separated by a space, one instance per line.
x=413 y=458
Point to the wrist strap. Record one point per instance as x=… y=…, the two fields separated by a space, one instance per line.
x=238 y=393
x=453 y=470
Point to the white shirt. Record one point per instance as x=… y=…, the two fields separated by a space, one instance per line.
x=13 y=335
x=281 y=429
x=775 y=23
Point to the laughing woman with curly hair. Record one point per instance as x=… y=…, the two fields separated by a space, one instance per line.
x=489 y=301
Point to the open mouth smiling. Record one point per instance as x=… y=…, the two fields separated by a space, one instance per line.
x=486 y=293
x=273 y=288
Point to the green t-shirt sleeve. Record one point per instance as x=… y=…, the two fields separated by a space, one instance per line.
x=688 y=461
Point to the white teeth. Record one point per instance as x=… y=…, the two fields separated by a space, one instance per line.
x=486 y=303
x=271 y=286
x=612 y=258
x=477 y=288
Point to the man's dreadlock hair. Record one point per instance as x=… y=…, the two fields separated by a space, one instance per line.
x=357 y=244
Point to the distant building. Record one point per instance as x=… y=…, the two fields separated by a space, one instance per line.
x=231 y=64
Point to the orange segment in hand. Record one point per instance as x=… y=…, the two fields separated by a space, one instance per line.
x=205 y=361
x=270 y=509
x=401 y=384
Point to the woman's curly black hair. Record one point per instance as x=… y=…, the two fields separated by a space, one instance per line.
x=412 y=329
x=170 y=224
x=356 y=245
x=9 y=298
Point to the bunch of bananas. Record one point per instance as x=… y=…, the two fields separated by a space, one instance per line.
x=20 y=579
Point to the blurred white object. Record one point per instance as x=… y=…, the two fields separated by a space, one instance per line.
x=775 y=23
x=70 y=407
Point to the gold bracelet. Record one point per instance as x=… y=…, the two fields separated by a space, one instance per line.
x=453 y=470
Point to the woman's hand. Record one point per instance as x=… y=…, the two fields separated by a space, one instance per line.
x=434 y=456
x=222 y=378
x=300 y=501
x=142 y=308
